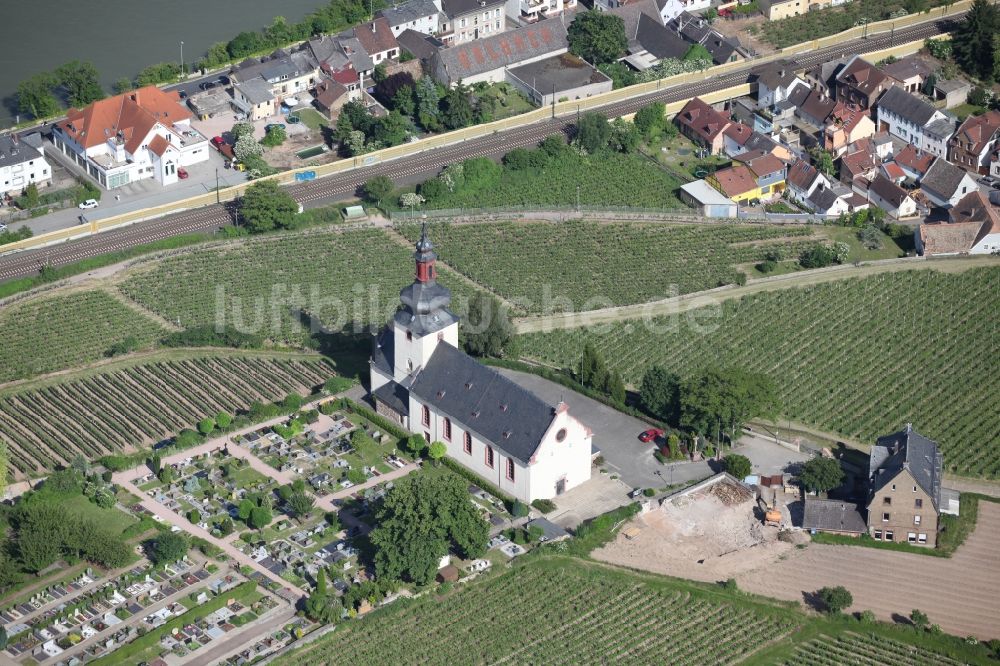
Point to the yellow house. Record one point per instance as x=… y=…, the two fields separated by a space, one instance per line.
x=775 y=10
x=736 y=182
x=769 y=172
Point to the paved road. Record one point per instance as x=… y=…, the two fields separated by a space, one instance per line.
x=417 y=166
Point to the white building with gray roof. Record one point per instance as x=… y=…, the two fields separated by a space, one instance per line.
x=22 y=162
x=502 y=432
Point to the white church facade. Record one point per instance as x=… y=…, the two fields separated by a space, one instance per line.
x=494 y=427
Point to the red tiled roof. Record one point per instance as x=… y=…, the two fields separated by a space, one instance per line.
x=376 y=36
x=735 y=180
x=739 y=133
x=761 y=163
x=914 y=159
x=802 y=174
x=975 y=207
x=978 y=130
x=132 y=114
x=893 y=171
x=949 y=238
x=702 y=119
x=159 y=145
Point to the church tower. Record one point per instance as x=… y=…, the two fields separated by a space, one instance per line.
x=423 y=320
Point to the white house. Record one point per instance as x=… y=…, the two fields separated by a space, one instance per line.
x=497 y=429
x=141 y=134
x=945 y=184
x=776 y=82
x=803 y=179
x=973 y=228
x=890 y=197
x=825 y=201
x=671 y=9
x=915 y=121
x=22 y=162
x=529 y=11
x=419 y=15
x=464 y=21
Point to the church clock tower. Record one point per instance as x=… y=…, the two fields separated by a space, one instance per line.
x=423 y=320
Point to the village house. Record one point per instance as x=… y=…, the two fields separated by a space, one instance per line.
x=973 y=228
x=859 y=162
x=775 y=10
x=737 y=182
x=975 y=141
x=911 y=72
x=649 y=40
x=768 y=171
x=803 y=179
x=823 y=77
x=833 y=516
x=815 y=108
x=490 y=425
x=915 y=121
x=861 y=83
x=22 y=162
x=775 y=83
x=890 y=197
x=703 y=125
x=734 y=139
x=671 y=9
x=376 y=39
x=846 y=124
x=468 y=20
x=913 y=162
x=696 y=30
x=945 y=184
x=827 y=201
x=145 y=133
x=285 y=75
x=530 y=11
x=488 y=59
x=904 y=476
x=419 y=15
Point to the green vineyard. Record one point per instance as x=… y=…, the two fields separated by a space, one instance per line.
x=555 y=612
x=53 y=333
x=141 y=404
x=258 y=285
x=596 y=265
x=859 y=357
x=873 y=650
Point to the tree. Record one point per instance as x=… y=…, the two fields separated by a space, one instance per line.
x=625 y=136
x=37 y=549
x=223 y=420
x=378 y=188
x=919 y=619
x=615 y=387
x=159 y=73
x=259 y=518
x=34 y=96
x=737 y=465
x=266 y=206
x=821 y=474
x=719 y=399
x=836 y=598
x=597 y=37
x=3 y=638
x=246 y=147
x=436 y=451
x=168 y=547
x=593 y=131
x=487 y=330
x=206 y=425
x=428 y=98
x=81 y=81
x=420 y=519
x=649 y=120
x=274 y=136
x=458 y=112
x=245 y=508
x=226 y=526
x=823 y=160
x=592 y=372
x=972 y=40
x=242 y=129
x=392 y=129
x=660 y=393
x=697 y=52
x=29 y=199
x=403 y=100
x=410 y=200
x=300 y=505
x=416 y=444
x=194 y=516
x=4 y=464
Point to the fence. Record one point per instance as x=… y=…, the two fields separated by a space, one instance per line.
x=478 y=131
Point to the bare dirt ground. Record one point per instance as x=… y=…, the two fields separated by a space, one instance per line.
x=711 y=535
x=960 y=593
x=738 y=28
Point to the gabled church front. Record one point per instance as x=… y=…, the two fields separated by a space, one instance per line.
x=494 y=427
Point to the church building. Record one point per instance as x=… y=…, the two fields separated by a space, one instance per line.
x=491 y=425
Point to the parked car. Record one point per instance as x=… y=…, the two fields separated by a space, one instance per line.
x=223 y=80
x=88 y=204
x=182 y=174
x=650 y=435
x=217 y=141
x=182 y=94
x=206 y=85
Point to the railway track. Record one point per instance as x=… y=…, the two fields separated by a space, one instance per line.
x=418 y=166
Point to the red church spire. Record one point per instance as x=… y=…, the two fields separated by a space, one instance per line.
x=425 y=258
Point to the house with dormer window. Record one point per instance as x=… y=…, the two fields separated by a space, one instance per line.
x=502 y=432
x=904 y=486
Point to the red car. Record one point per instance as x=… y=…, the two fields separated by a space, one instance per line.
x=650 y=435
x=182 y=174
x=217 y=141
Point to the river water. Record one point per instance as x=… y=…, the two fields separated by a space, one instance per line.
x=121 y=36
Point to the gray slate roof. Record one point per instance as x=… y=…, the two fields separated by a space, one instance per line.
x=832 y=516
x=453 y=8
x=696 y=30
x=943 y=178
x=395 y=396
x=906 y=449
x=906 y=106
x=480 y=399
x=823 y=198
x=413 y=10
x=257 y=91
x=888 y=190
x=660 y=42
x=420 y=46
x=18 y=152
x=779 y=74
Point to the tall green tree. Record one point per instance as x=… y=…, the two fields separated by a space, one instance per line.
x=4 y=467
x=592 y=371
x=428 y=98
x=821 y=474
x=436 y=451
x=267 y=206
x=649 y=120
x=35 y=97
x=168 y=547
x=737 y=465
x=698 y=52
x=301 y=505
x=660 y=393
x=973 y=40
x=81 y=82
x=593 y=132
x=597 y=37
x=722 y=399
x=458 y=111
x=378 y=188
x=487 y=330
x=419 y=521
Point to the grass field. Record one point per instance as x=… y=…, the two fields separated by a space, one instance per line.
x=860 y=357
x=53 y=333
x=83 y=508
x=594 y=264
x=257 y=285
x=138 y=404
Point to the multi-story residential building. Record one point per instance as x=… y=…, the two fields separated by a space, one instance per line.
x=671 y=9
x=915 y=121
x=976 y=139
x=904 y=476
x=704 y=125
x=529 y=11
x=861 y=83
x=737 y=182
x=775 y=83
x=145 y=133
x=945 y=184
x=419 y=15
x=697 y=30
x=523 y=445
x=469 y=20
x=376 y=38
x=286 y=74
x=845 y=125
x=803 y=179
x=768 y=171
x=22 y=162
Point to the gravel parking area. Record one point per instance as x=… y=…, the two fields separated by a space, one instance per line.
x=960 y=593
